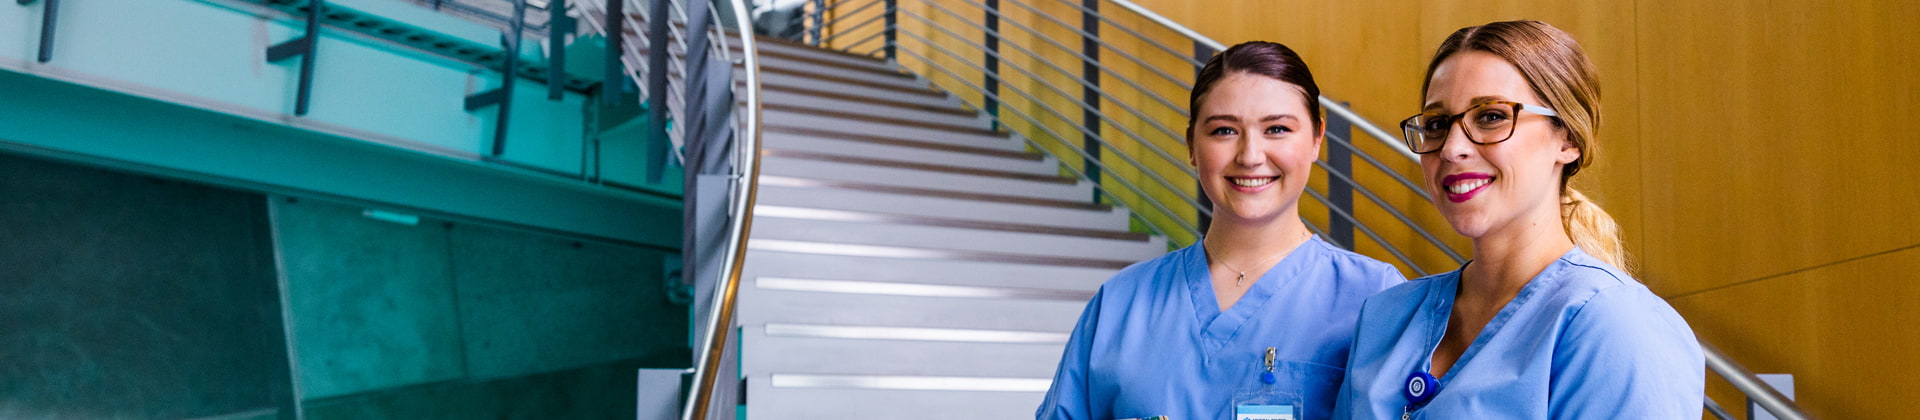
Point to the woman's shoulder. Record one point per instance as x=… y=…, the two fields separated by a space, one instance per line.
x=1352 y=265
x=1406 y=296
x=1146 y=273
x=1600 y=298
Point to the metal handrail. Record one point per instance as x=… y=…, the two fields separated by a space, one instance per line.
x=1097 y=138
x=725 y=296
x=1162 y=153
x=1364 y=191
x=1083 y=154
x=1746 y=382
x=1162 y=100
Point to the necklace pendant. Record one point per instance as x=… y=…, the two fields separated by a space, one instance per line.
x=1242 y=281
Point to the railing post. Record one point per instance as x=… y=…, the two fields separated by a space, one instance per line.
x=49 y=13
x=893 y=22
x=613 y=80
x=992 y=82
x=502 y=96
x=307 y=47
x=658 y=146
x=1090 y=93
x=819 y=20
x=1340 y=194
x=1202 y=53
x=558 y=27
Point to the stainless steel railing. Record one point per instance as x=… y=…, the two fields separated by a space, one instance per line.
x=714 y=343
x=928 y=41
x=1135 y=166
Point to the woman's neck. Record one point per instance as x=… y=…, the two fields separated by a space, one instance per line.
x=1506 y=259
x=1246 y=242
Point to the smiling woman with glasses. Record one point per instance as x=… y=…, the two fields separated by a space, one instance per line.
x=1545 y=322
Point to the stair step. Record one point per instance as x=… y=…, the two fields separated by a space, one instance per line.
x=853 y=86
x=952 y=238
x=806 y=213
x=834 y=100
x=805 y=95
x=809 y=193
x=1007 y=149
x=764 y=263
x=759 y=306
x=778 y=165
x=776 y=354
x=854 y=126
x=771 y=403
x=993 y=159
x=815 y=116
x=790 y=50
x=770 y=59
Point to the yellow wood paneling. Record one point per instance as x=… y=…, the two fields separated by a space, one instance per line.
x=1841 y=330
x=1776 y=137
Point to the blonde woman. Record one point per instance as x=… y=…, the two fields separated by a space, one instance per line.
x=1545 y=322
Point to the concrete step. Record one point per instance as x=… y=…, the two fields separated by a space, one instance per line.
x=774 y=226
x=769 y=354
x=930 y=272
x=911 y=152
x=948 y=207
x=759 y=306
x=782 y=403
x=776 y=163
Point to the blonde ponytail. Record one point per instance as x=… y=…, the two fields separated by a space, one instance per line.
x=1592 y=229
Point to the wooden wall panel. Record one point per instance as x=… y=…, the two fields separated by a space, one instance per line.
x=1776 y=136
x=1839 y=329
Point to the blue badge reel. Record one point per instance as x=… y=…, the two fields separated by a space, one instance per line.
x=1420 y=389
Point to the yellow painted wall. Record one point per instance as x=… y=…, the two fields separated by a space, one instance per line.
x=1754 y=151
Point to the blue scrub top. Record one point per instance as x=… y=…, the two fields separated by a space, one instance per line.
x=1582 y=340
x=1153 y=342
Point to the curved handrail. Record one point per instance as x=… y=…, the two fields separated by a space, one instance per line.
x=725 y=296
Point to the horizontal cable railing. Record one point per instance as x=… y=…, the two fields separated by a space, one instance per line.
x=1011 y=62
x=1018 y=79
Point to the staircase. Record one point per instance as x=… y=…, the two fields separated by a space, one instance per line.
x=908 y=261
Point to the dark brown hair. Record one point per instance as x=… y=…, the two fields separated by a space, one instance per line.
x=1257 y=57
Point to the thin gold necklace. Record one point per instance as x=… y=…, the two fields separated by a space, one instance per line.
x=1242 y=279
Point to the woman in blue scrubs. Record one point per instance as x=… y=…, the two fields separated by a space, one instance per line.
x=1545 y=322
x=1190 y=335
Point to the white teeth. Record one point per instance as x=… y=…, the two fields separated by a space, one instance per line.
x=1252 y=182
x=1462 y=188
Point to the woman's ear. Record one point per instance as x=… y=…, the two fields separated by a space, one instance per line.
x=1569 y=151
x=1320 y=133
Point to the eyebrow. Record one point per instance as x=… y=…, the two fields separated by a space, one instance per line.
x=1230 y=118
x=1475 y=101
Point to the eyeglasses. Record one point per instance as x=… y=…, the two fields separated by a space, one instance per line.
x=1486 y=123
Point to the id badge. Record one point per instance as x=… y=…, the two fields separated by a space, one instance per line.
x=1266 y=404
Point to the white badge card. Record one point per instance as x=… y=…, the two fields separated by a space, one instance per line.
x=1266 y=404
x=1263 y=412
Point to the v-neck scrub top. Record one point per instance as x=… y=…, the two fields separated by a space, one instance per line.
x=1154 y=342
x=1582 y=340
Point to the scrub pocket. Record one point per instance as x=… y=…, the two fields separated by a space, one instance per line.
x=1308 y=389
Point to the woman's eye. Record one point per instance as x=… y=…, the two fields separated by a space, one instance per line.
x=1435 y=125
x=1489 y=118
x=1278 y=129
x=1222 y=131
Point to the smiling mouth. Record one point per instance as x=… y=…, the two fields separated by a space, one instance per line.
x=1463 y=187
x=1253 y=182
